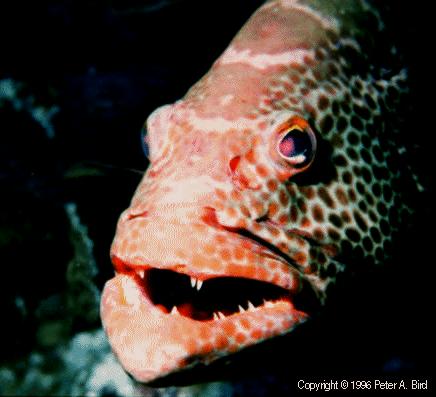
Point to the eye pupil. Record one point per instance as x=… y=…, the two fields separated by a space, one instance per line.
x=297 y=147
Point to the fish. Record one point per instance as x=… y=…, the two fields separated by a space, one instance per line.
x=281 y=169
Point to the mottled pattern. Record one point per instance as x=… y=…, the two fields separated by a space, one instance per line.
x=281 y=165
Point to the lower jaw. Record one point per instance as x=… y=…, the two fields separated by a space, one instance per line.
x=151 y=344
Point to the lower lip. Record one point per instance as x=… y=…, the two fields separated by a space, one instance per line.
x=151 y=344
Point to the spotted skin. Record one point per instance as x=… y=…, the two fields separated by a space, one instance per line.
x=217 y=168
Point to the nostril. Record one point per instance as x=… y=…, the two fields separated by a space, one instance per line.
x=242 y=179
x=209 y=217
x=142 y=214
x=233 y=163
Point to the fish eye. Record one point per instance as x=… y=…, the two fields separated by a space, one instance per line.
x=297 y=144
x=144 y=143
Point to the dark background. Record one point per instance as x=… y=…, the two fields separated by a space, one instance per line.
x=104 y=66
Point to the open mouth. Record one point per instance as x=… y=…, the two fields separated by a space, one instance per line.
x=165 y=318
x=212 y=299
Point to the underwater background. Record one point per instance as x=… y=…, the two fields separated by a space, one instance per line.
x=77 y=81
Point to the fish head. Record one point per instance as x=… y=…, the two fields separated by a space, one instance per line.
x=270 y=169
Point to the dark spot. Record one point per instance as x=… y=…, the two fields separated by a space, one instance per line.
x=295 y=78
x=326 y=124
x=310 y=83
x=307 y=191
x=358 y=252
x=362 y=206
x=385 y=227
x=373 y=216
x=375 y=234
x=356 y=122
x=333 y=234
x=377 y=153
x=346 y=248
x=369 y=198
x=366 y=156
x=341 y=124
x=352 y=194
x=381 y=208
x=367 y=244
x=291 y=189
x=382 y=104
x=353 y=138
x=323 y=102
x=362 y=112
x=351 y=152
x=379 y=254
x=318 y=213
x=352 y=234
x=341 y=196
x=325 y=196
x=332 y=69
x=356 y=92
x=319 y=235
x=376 y=189
x=379 y=86
x=301 y=203
x=319 y=54
x=366 y=174
x=347 y=177
x=345 y=107
x=331 y=270
x=356 y=170
x=345 y=216
x=312 y=253
x=336 y=220
x=369 y=101
x=361 y=223
x=317 y=74
x=366 y=141
x=360 y=187
x=294 y=214
x=309 y=109
x=340 y=160
x=337 y=141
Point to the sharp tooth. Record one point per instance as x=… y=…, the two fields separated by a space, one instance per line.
x=268 y=304
x=141 y=273
x=193 y=282
x=174 y=310
x=215 y=316
x=241 y=309
x=199 y=284
x=221 y=316
x=250 y=306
